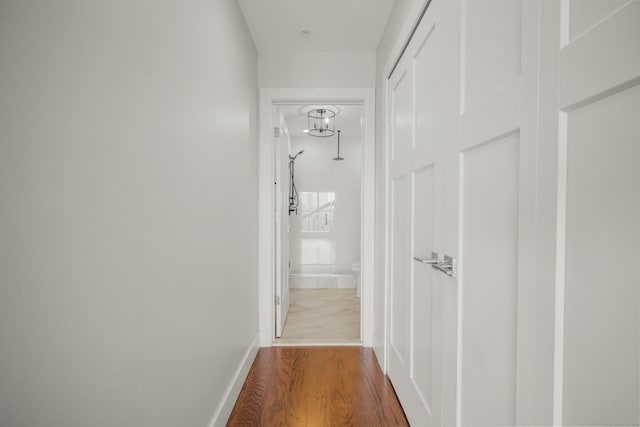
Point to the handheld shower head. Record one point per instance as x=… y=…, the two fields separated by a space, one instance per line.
x=297 y=154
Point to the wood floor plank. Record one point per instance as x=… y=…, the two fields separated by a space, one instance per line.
x=316 y=386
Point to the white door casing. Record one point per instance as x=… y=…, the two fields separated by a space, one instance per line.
x=266 y=199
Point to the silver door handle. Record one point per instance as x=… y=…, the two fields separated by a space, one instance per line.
x=446 y=264
x=433 y=260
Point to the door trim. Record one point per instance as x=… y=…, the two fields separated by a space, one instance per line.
x=266 y=214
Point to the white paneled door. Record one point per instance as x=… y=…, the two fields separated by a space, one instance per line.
x=494 y=160
x=281 y=226
x=417 y=101
x=456 y=169
x=513 y=147
x=597 y=327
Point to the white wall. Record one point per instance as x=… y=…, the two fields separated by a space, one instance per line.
x=317 y=70
x=315 y=170
x=396 y=33
x=128 y=188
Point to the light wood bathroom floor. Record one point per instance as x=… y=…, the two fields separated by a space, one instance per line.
x=322 y=316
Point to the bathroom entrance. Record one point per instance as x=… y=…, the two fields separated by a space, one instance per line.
x=318 y=160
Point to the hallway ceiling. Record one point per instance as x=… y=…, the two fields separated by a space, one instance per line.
x=335 y=25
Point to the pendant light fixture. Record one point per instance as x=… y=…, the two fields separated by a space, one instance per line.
x=321 y=120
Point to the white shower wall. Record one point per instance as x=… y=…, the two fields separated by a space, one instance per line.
x=316 y=171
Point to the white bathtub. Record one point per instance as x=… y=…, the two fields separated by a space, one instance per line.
x=323 y=280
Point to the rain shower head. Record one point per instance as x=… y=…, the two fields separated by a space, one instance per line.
x=297 y=154
x=338 y=156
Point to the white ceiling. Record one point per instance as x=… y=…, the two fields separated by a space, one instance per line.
x=348 y=121
x=335 y=25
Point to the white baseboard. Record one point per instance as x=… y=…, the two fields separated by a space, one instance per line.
x=223 y=411
x=378 y=349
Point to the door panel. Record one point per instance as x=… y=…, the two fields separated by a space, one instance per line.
x=281 y=226
x=417 y=135
x=492 y=38
x=399 y=283
x=425 y=168
x=422 y=302
x=597 y=328
x=491 y=167
x=401 y=106
x=602 y=239
x=588 y=13
x=609 y=51
x=428 y=109
x=467 y=165
x=489 y=310
x=603 y=208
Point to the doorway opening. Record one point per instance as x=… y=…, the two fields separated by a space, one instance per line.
x=268 y=198
x=318 y=229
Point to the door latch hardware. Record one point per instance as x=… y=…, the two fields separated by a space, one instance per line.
x=433 y=260
x=446 y=264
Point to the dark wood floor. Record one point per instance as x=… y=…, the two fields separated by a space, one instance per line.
x=317 y=386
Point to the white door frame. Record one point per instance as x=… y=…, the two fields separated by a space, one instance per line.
x=266 y=232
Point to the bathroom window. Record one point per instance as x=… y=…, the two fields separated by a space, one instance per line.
x=317 y=209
